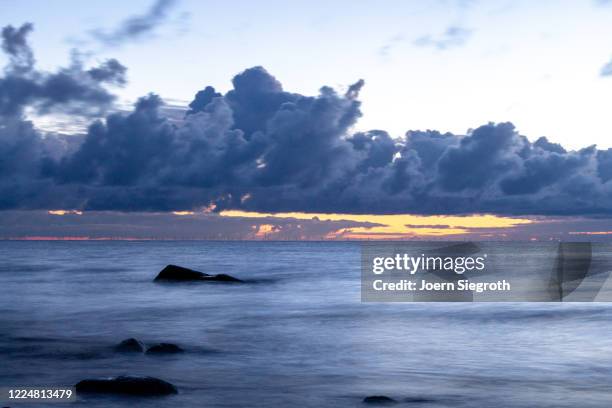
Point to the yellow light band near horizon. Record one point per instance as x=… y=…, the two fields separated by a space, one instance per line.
x=397 y=225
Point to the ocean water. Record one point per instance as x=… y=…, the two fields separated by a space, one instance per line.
x=297 y=335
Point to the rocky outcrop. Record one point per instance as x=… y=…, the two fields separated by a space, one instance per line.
x=127 y=385
x=164 y=348
x=174 y=273
x=130 y=345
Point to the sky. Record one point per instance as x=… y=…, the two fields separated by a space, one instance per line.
x=314 y=120
x=536 y=64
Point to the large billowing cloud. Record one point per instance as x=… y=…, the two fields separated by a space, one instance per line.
x=260 y=148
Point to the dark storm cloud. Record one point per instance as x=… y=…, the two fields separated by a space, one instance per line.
x=72 y=89
x=14 y=44
x=137 y=27
x=110 y=71
x=25 y=155
x=480 y=158
x=261 y=148
x=202 y=98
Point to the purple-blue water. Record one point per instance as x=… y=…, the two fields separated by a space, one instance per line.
x=298 y=336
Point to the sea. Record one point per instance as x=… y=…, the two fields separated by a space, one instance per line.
x=295 y=335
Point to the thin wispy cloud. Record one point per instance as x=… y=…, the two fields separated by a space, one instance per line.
x=393 y=42
x=137 y=27
x=453 y=36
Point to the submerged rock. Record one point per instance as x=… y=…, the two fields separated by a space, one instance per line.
x=129 y=385
x=379 y=399
x=418 y=400
x=221 y=277
x=130 y=345
x=174 y=273
x=164 y=348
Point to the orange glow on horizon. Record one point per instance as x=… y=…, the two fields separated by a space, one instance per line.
x=182 y=212
x=590 y=233
x=264 y=230
x=64 y=212
x=77 y=238
x=396 y=226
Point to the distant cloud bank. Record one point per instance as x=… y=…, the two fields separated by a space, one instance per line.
x=261 y=148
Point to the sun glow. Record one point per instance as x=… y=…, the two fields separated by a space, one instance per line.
x=182 y=212
x=264 y=230
x=396 y=226
x=65 y=212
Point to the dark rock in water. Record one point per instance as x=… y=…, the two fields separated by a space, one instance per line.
x=175 y=273
x=223 y=278
x=130 y=345
x=379 y=399
x=129 y=385
x=164 y=348
x=178 y=273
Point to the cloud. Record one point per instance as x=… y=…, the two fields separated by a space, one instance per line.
x=201 y=99
x=110 y=71
x=26 y=154
x=261 y=148
x=14 y=44
x=453 y=36
x=606 y=70
x=116 y=225
x=434 y=226
x=137 y=27
x=72 y=89
x=385 y=50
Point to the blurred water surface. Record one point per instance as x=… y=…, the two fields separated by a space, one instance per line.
x=297 y=335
